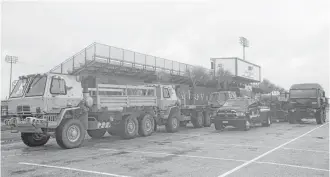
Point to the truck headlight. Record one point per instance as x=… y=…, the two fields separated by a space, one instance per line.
x=292 y=110
x=89 y=102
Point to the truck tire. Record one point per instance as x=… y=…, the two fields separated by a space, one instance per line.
x=207 y=119
x=268 y=121
x=172 y=124
x=320 y=117
x=218 y=125
x=292 y=119
x=146 y=125
x=197 y=119
x=112 y=131
x=129 y=127
x=34 y=139
x=70 y=133
x=245 y=126
x=97 y=133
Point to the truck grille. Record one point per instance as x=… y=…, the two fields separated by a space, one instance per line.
x=51 y=118
x=23 y=109
x=227 y=114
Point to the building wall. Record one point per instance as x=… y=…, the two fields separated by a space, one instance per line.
x=238 y=68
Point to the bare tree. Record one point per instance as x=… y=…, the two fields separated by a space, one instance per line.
x=198 y=75
x=223 y=76
x=267 y=86
x=162 y=76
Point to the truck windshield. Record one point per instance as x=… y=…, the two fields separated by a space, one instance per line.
x=236 y=103
x=311 y=93
x=19 y=88
x=37 y=86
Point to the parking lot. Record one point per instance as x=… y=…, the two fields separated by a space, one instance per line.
x=280 y=150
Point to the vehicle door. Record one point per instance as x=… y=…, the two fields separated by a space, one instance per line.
x=254 y=110
x=168 y=96
x=63 y=92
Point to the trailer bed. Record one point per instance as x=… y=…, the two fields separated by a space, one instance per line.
x=117 y=97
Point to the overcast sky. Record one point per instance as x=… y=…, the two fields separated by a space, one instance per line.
x=288 y=39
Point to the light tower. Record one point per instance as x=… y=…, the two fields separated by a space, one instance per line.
x=11 y=60
x=245 y=43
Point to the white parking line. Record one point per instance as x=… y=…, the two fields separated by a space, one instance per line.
x=268 y=152
x=308 y=150
x=294 y=166
x=218 y=158
x=72 y=169
x=243 y=145
x=180 y=155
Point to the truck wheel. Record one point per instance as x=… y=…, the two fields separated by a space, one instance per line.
x=246 y=126
x=112 y=131
x=197 y=119
x=97 y=133
x=34 y=139
x=129 y=127
x=207 y=119
x=70 y=133
x=292 y=119
x=172 y=124
x=320 y=117
x=146 y=125
x=218 y=125
x=268 y=121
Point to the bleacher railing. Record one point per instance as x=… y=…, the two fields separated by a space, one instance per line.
x=116 y=56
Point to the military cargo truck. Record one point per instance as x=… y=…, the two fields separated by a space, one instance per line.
x=307 y=100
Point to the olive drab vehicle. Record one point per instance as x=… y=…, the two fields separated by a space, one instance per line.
x=64 y=106
x=278 y=103
x=307 y=101
x=242 y=113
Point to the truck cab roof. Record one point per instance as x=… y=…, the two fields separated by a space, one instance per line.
x=307 y=86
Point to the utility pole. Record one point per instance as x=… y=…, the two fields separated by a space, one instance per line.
x=245 y=43
x=11 y=60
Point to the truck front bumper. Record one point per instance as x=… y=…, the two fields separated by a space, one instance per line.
x=27 y=125
x=306 y=113
x=235 y=122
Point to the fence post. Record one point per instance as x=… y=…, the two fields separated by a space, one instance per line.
x=85 y=56
x=72 y=63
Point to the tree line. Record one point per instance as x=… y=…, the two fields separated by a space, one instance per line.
x=221 y=79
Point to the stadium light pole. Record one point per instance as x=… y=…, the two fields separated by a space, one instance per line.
x=11 y=60
x=245 y=43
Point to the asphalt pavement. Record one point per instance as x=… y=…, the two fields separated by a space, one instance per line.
x=280 y=150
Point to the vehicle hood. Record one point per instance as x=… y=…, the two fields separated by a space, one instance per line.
x=234 y=108
x=216 y=104
x=25 y=104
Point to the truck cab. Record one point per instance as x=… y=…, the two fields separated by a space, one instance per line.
x=39 y=94
x=307 y=101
